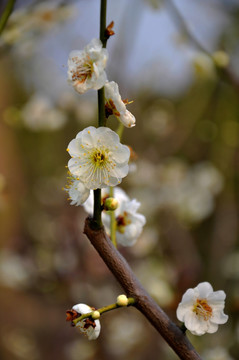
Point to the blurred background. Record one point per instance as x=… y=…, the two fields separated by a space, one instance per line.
x=178 y=61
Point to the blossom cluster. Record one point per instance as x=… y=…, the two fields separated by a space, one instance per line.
x=86 y=70
x=98 y=159
x=129 y=223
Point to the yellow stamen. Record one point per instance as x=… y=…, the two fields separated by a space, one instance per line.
x=202 y=309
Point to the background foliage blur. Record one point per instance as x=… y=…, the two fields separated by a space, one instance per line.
x=186 y=173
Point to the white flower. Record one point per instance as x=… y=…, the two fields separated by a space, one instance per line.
x=77 y=191
x=201 y=309
x=129 y=224
x=40 y=114
x=86 y=67
x=98 y=158
x=88 y=326
x=116 y=106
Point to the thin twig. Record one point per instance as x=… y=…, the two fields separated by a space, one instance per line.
x=179 y=19
x=7 y=12
x=224 y=73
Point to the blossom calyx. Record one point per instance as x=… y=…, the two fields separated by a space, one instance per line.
x=108 y=31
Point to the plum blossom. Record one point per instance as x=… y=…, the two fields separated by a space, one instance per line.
x=88 y=326
x=86 y=67
x=116 y=106
x=77 y=191
x=201 y=309
x=129 y=224
x=98 y=158
x=40 y=114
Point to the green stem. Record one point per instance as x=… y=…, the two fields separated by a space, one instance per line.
x=103 y=6
x=131 y=301
x=97 y=223
x=7 y=12
x=120 y=130
x=101 y=116
x=101 y=107
x=112 y=222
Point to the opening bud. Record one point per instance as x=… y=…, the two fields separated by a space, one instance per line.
x=122 y=300
x=111 y=204
x=95 y=315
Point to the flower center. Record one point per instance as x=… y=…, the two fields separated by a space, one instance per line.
x=202 y=309
x=84 y=69
x=122 y=221
x=111 y=109
x=99 y=159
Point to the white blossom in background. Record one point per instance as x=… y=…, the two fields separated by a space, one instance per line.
x=201 y=309
x=77 y=191
x=98 y=158
x=15 y=271
x=86 y=67
x=25 y=23
x=116 y=106
x=188 y=191
x=217 y=353
x=129 y=223
x=90 y=327
x=208 y=177
x=40 y=114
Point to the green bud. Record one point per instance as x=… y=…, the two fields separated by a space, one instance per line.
x=111 y=204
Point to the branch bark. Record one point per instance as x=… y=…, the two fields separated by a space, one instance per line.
x=173 y=335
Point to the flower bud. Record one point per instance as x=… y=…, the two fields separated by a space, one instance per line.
x=221 y=58
x=95 y=315
x=122 y=300
x=111 y=204
x=203 y=66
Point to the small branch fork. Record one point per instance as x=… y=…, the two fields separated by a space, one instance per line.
x=172 y=334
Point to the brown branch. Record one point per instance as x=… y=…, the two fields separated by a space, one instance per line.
x=174 y=336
